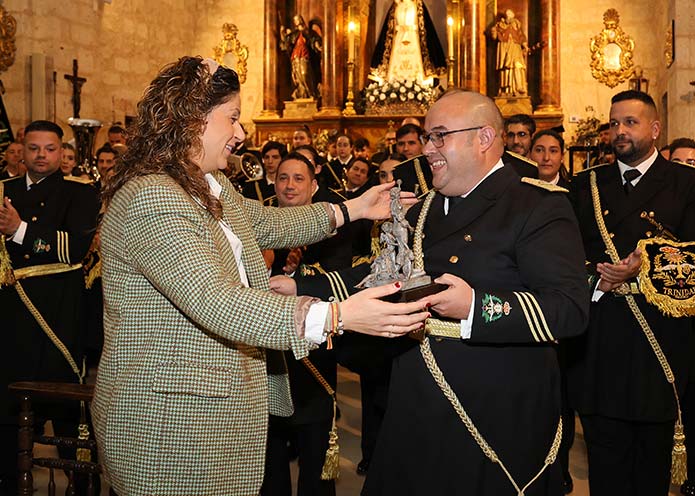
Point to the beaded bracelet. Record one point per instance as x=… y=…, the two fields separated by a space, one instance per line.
x=334 y=324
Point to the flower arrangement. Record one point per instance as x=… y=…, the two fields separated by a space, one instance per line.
x=397 y=96
x=586 y=132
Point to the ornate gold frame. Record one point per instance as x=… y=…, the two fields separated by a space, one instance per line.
x=231 y=44
x=611 y=52
x=669 y=52
x=8 y=28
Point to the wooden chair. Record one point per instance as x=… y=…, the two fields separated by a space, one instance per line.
x=26 y=461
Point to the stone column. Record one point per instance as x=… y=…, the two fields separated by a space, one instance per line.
x=471 y=63
x=550 y=57
x=332 y=71
x=270 y=58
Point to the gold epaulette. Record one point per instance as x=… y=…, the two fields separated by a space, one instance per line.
x=593 y=167
x=680 y=162
x=338 y=192
x=79 y=179
x=525 y=159
x=11 y=178
x=543 y=184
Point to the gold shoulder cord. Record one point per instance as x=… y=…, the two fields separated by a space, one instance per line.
x=679 y=460
x=331 y=465
x=449 y=393
x=7 y=277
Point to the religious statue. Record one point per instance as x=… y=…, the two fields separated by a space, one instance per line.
x=408 y=47
x=512 y=48
x=304 y=46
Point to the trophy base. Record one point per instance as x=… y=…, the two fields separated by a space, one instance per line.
x=412 y=291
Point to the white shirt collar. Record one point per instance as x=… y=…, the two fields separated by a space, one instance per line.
x=642 y=167
x=215 y=187
x=555 y=180
x=30 y=182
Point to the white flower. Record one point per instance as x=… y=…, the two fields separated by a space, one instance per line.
x=417 y=88
x=408 y=84
x=393 y=95
x=382 y=97
x=396 y=84
x=419 y=97
x=402 y=89
x=411 y=95
x=371 y=98
x=402 y=98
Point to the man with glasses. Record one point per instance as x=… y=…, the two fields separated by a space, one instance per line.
x=518 y=131
x=509 y=252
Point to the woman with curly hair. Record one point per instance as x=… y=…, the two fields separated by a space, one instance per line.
x=189 y=373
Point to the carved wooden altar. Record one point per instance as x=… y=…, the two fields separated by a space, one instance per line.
x=472 y=54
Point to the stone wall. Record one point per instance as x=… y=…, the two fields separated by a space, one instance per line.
x=119 y=47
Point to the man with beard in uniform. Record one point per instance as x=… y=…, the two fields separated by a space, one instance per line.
x=616 y=383
x=509 y=250
x=48 y=222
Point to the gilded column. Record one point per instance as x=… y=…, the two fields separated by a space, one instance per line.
x=472 y=45
x=550 y=57
x=270 y=58
x=331 y=70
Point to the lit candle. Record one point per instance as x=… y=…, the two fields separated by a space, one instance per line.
x=450 y=35
x=351 y=41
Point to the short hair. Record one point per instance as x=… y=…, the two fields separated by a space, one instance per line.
x=294 y=155
x=549 y=132
x=359 y=159
x=407 y=129
x=274 y=145
x=106 y=148
x=116 y=129
x=305 y=129
x=343 y=135
x=47 y=126
x=681 y=143
x=67 y=146
x=634 y=95
x=361 y=143
x=524 y=120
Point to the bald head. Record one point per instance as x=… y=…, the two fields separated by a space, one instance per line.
x=474 y=107
x=464 y=131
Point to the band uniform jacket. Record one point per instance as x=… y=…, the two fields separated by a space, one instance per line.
x=183 y=396
x=61 y=220
x=514 y=243
x=613 y=371
x=260 y=190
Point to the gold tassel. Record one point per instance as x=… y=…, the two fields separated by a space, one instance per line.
x=331 y=466
x=679 y=457
x=83 y=454
x=6 y=274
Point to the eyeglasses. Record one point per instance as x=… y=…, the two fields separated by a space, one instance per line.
x=437 y=137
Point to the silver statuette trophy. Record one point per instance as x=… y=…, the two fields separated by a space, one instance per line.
x=397 y=262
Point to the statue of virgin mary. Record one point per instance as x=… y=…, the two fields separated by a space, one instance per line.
x=404 y=51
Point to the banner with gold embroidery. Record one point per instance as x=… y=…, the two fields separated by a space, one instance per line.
x=667 y=275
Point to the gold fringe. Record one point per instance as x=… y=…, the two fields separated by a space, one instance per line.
x=679 y=456
x=331 y=465
x=6 y=274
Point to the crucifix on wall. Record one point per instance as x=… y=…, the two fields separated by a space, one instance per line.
x=77 y=83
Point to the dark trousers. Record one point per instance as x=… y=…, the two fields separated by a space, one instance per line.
x=312 y=443
x=373 y=393
x=628 y=457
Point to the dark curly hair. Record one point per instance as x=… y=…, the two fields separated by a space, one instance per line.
x=166 y=132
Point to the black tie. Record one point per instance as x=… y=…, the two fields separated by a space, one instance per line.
x=453 y=201
x=630 y=175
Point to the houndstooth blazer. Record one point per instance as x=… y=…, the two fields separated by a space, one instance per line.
x=182 y=395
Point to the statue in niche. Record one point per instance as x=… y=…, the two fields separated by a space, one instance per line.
x=512 y=48
x=304 y=47
x=408 y=47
